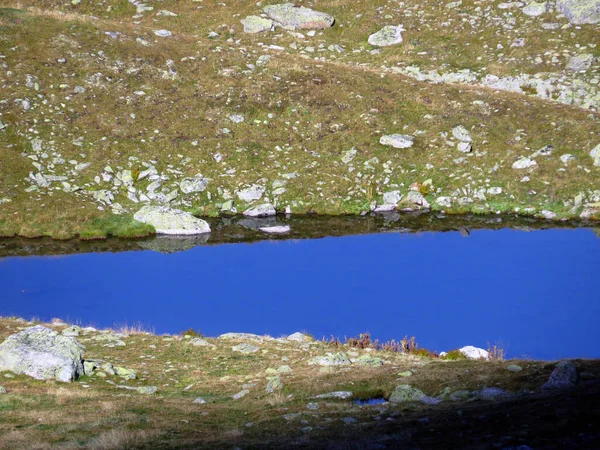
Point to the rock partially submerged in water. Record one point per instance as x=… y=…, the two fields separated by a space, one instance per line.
x=293 y=17
x=397 y=140
x=43 y=354
x=167 y=220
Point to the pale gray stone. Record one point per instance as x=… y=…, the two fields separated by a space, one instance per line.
x=167 y=220
x=337 y=394
x=254 y=192
x=280 y=229
x=407 y=393
x=245 y=348
x=299 y=337
x=256 y=24
x=335 y=359
x=397 y=140
x=194 y=184
x=42 y=353
x=292 y=17
x=263 y=210
x=524 y=163
x=595 y=155
x=580 y=63
x=535 y=9
x=580 y=11
x=388 y=35
x=474 y=352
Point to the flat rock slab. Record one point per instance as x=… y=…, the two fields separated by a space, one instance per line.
x=167 y=220
x=293 y=17
x=389 y=35
x=263 y=210
x=43 y=354
x=256 y=24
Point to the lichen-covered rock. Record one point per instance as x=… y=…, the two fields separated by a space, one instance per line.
x=274 y=384
x=342 y=395
x=535 y=9
x=293 y=17
x=580 y=11
x=397 y=140
x=245 y=348
x=42 y=353
x=389 y=35
x=167 y=220
x=256 y=24
x=407 y=393
x=368 y=360
x=595 y=154
x=416 y=198
x=123 y=372
x=563 y=376
x=580 y=63
x=336 y=359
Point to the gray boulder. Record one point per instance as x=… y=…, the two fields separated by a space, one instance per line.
x=336 y=359
x=595 y=155
x=524 y=163
x=42 y=353
x=580 y=63
x=167 y=220
x=293 y=17
x=563 y=376
x=254 y=192
x=245 y=348
x=389 y=35
x=580 y=11
x=299 y=337
x=535 y=9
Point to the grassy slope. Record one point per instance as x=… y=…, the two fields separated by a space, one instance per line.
x=92 y=413
x=300 y=114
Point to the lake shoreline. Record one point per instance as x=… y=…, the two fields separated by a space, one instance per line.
x=249 y=390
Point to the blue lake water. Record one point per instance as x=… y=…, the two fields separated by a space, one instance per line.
x=537 y=293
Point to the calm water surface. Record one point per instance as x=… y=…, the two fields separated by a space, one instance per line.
x=537 y=293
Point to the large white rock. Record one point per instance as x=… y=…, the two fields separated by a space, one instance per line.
x=42 y=353
x=167 y=220
x=293 y=17
x=524 y=163
x=580 y=11
x=474 y=353
x=254 y=192
x=535 y=9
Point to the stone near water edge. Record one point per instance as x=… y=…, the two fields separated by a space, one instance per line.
x=280 y=229
x=167 y=220
x=392 y=197
x=262 y=210
x=524 y=163
x=407 y=393
x=474 y=352
x=563 y=376
x=335 y=359
x=444 y=202
x=535 y=9
x=291 y=17
x=397 y=140
x=388 y=35
x=194 y=184
x=256 y=24
x=580 y=12
x=416 y=198
x=43 y=354
x=342 y=395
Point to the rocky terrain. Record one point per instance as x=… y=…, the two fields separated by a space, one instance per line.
x=66 y=386
x=330 y=107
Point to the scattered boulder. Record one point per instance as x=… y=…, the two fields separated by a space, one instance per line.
x=148 y=390
x=474 y=353
x=291 y=17
x=240 y=394
x=563 y=376
x=254 y=192
x=194 y=184
x=397 y=140
x=256 y=24
x=199 y=342
x=274 y=384
x=199 y=401
x=580 y=63
x=128 y=374
x=580 y=12
x=416 y=198
x=524 y=163
x=407 y=393
x=42 y=353
x=595 y=154
x=389 y=35
x=167 y=220
x=462 y=134
x=349 y=155
x=335 y=359
x=262 y=210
